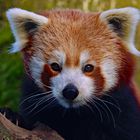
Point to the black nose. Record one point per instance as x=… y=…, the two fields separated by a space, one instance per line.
x=70 y=92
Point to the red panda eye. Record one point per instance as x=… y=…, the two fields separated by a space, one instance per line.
x=88 y=68
x=56 y=67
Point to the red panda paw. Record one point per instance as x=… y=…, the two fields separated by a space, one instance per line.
x=12 y=116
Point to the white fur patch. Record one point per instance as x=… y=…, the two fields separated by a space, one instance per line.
x=36 y=68
x=84 y=57
x=58 y=56
x=75 y=76
x=109 y=71
x=16 y=18
x=133 y=16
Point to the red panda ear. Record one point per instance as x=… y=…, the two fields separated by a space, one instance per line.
x=123 y=21
x=23 y=23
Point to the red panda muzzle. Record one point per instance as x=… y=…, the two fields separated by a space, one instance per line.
x=70 y=92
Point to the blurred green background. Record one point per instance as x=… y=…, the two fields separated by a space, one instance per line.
x=11 y=68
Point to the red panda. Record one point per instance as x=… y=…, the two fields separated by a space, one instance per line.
x=80 y=70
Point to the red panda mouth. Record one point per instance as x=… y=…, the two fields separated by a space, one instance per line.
x=70 y=104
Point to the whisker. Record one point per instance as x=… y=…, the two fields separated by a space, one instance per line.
x=37 y=101
x=95 y=104
x=28 y=107
x=46 y=106
x=43 y=100
x=112 y=116
x=112 y=105
x=34 y=96
x=102 y=108
x=88 y=105
x=115 y=100
x=90 y=108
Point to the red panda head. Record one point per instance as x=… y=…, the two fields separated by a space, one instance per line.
x=75 y=54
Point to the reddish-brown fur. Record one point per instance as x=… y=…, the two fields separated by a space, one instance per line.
x=27 y=54
x=72 y=32
x=46 y=74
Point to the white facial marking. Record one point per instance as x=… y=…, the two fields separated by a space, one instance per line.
x=36 y=68
x=84 y=57
x=59 y=56
x=84 y=84
x=17 y=17
x=109 y=72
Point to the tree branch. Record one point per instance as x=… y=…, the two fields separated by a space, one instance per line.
x=10 y=131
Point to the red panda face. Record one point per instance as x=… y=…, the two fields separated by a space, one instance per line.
x=79 y=55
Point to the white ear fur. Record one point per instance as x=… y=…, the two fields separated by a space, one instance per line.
x=17 y=18
x=130 y=18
